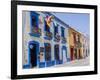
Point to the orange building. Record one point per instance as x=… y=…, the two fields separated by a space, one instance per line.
x=75 y=44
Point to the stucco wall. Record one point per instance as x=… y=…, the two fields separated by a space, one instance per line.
x=41 y=40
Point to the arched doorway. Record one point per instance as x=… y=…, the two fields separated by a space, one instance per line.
x=33 y=52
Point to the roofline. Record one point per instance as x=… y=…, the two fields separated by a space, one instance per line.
x=65 y=23
x=58 y=19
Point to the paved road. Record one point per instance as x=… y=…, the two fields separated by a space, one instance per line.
x=81 y=62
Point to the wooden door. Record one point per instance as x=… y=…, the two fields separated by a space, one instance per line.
x=72 y=53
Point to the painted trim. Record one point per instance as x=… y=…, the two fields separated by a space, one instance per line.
x=50 y=62
x=64 y=48
x=33 y=34
x=28 y=59
x=55 y=27
x=45 y=50
x=47 y=38
x=62 y=31
x=32 y=13
x=56 y=61
x=59 y=62
x=41 y=64
x=26 y=66
x=37 y=49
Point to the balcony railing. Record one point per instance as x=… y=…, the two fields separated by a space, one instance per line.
x=57 y=38
x=35 y=31
x=48 y=35
x=64 y=40
x=78 y=44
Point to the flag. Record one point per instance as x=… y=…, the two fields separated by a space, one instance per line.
x=49 y=20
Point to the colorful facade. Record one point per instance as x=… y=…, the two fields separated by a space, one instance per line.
x=75 y=44
x=48 y=41
x=44 y=40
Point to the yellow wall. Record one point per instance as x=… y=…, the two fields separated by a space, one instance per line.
x=71 y=40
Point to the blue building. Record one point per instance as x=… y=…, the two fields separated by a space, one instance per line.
x=45 y=40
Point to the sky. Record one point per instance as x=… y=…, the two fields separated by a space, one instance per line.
x=78 y=21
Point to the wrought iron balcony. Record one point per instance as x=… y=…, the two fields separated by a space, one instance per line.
x=78 y=44
x=57 y=38
x=35 y=31
x=64 y=40
x=48 y=35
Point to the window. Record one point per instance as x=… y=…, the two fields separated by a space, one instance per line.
x=34 y=19
x=75 y=53
x=56 y=51
x=47 y=28
x=74 y=36
x=62 y=32
x=55 y=29
x=78 y=38
x=47 y=52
